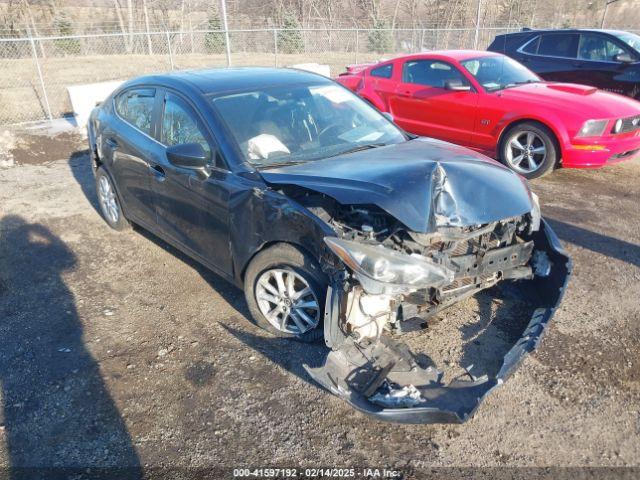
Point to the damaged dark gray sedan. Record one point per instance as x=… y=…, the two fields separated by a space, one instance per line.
x=336 y=223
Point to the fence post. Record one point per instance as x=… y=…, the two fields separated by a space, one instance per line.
x=223 y=12
x=357 y=45
x=44 y=90
x=475 y=40
x=169 y=48
x=275 y=47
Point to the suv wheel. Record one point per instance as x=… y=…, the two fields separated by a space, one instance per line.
x=285 y=290
x=529 y=149
x=109 y=202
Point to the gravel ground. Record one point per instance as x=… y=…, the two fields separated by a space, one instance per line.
x=117 y=350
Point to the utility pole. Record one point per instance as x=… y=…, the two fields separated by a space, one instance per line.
x=223 y=14
x=604 y=15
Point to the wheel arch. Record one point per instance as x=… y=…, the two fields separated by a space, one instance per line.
x=266 y=246
x=519 y=121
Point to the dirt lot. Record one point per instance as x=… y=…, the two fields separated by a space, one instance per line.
x=116 y=350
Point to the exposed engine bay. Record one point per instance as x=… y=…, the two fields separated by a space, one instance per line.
x=396 y=280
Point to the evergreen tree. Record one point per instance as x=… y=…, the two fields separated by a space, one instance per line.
x=290 y=38
x=64 y=27
x=380 y=40
x=214 y=40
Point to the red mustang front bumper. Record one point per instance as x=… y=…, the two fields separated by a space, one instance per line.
x=584 y=154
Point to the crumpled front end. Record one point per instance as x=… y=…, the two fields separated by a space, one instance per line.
x=378 y=375
x=419 y=227
x=390 y=281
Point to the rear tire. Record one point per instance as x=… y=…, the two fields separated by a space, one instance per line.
x=285 y=290
x=529 y=149
x=109 y=201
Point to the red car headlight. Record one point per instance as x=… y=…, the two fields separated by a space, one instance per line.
x=593 y=128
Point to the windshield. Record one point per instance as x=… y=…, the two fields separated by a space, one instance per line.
x=283 y=125
x=630 y=39
x=496 y=73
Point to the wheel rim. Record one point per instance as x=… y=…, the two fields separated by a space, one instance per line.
x=108 y=201
x=287 y=301
x=526 y=151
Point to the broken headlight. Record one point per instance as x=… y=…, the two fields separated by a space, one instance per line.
x=380 y=264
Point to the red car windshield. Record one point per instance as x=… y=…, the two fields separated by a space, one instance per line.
x=497 y=73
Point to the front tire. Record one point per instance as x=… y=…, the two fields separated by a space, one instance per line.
x=529 y=149
x=285 y=290
x=110 y=204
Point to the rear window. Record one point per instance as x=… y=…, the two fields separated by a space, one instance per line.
x=559 y=45
x=384 y=71
x=531 y=46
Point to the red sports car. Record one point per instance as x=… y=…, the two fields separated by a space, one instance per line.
x=491 y=103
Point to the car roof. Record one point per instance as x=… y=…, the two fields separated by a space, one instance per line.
x=457 y=55
x=533 y=31
x=217 y=80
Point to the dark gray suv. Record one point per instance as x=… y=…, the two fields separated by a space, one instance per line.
x=607 y=59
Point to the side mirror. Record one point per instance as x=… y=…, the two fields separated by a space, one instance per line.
x=188 y=155
x=388 y=116
x=457 y=86
x=623 y=58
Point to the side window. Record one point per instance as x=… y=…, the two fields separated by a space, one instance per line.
x=598 y=48
x=432 y=73
x=531 y=46
x=181 y=125
x=559 y=45
x=384 y=71
x=136 y=107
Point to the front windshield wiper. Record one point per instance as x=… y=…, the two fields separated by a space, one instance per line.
x=278 y=164
x=357 y=148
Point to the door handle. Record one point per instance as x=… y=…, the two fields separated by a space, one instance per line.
x=158 y=172
x=406 y=93
x=112 y=142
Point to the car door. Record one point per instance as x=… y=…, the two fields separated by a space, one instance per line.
x=435 y=99
x=129 y=142
x=556 y=57
x=597 y=60
x=192 y=209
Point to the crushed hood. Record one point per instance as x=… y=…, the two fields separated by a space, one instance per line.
x=423 y=183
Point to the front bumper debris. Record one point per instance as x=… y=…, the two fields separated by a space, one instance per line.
x=386 y=380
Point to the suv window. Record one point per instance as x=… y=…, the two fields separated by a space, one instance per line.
x=181 y=125
x=559 y=45
x=432 y=73
x=384 y=71
x=136 y=107
x=598 y=48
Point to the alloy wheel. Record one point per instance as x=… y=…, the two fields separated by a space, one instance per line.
x=107 y=197
x=287 y=301
x=525 y=151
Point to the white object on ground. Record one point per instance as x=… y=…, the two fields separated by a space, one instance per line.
x=405 y=397
x=313 y=68
x=84 y=98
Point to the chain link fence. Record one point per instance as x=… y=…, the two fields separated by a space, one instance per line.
x=37 y=71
